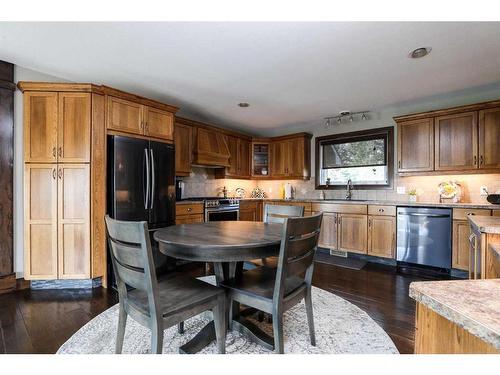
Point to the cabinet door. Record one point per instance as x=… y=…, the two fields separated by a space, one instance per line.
x=73 y=221
x=73 y=133
x=416 y=146
x=456 y=142
x=460 y=248
x=232 y=143
x=40 y=221
x=244 y=158
x=183 y=137
x=328 y=234
x=353 y=233
x=125 y=116
x=249 y=211
x=381 y=236
x=279 y=152
x=158 y=123
x=489 y=138
x=40 y=127
x=295 y=159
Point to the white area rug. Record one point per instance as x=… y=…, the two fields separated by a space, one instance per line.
x=341 y=328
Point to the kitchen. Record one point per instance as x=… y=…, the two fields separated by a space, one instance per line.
x=407 y=195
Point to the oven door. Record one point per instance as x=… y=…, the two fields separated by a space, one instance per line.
x=218 y=214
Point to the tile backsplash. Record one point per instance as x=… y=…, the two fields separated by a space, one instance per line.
x=202 y=182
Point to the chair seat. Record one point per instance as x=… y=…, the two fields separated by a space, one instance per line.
x=260 y=282
x=175 y=294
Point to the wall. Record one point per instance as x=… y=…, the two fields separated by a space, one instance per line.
x=21 y=74
x=202 y=183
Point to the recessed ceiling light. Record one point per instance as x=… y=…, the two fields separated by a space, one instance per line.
x=243 y=105
x=420 y=52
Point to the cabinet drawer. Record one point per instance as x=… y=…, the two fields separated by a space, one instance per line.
x=496 y=212
x=188 y=209
x=306 y=205
x=189 y=219
x=462 y=213
x=382 y=210
x=340 y=208
x=248 y=205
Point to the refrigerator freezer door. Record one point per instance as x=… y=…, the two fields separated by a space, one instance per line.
x=128 y=180
x=162 y=181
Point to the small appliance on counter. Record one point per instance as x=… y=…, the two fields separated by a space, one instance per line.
x=289 y=191
x=179 y=187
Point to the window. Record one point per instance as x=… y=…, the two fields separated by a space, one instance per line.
x=365 y=158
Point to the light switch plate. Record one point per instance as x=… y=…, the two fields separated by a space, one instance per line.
x=483 y=191
x=401 y=189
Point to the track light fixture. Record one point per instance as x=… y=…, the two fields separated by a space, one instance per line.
x=345 y=114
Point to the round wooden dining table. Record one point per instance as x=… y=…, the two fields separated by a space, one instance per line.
x=227 y=244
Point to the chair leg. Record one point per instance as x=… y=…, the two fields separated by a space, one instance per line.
x=122 y=322
x=220 y=321
x=278 y=332
x=310 y=319
x=180 y=328
x=156 y=338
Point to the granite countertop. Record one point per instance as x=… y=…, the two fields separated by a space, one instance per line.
x=486 y=224
x=473 y=305
x=495 y=249
x=187 y=201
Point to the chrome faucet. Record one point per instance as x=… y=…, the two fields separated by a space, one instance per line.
x=348 y=194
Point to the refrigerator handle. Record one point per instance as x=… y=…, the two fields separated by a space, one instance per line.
x=147 y=179
x=152 y=178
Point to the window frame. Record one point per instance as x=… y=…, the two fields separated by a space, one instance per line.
x=387 y=132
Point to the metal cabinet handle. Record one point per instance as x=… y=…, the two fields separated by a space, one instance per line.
x=59 y=152
x=60 y=173
x=369 y=223
x=146 y=127
x=475 y=159
x=54 y=173
x=399 y=163
x=189 y=209
x=481 y=160
x=380 y=210
x=53 y=151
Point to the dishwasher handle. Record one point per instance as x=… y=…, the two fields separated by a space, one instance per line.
x=423 y=215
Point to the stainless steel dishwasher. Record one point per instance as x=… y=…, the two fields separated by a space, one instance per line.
x=424 y=236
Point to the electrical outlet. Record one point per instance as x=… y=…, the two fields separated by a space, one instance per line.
x=401 y=189
x=483 y=191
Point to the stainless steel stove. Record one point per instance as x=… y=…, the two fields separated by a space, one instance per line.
x=220 y=209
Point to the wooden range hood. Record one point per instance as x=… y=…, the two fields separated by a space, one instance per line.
x=210 y=149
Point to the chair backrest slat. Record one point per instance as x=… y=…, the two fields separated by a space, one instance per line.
x=127 y=254
x=298 y=245
x=274 y=213
x=132 y=277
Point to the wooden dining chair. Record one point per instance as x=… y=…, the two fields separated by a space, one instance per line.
x=274 y=213
x=275 y=291
x=156 y=305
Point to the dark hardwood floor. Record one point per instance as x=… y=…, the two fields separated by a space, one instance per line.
x=40 y=321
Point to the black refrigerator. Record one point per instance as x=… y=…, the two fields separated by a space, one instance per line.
x=141 y=186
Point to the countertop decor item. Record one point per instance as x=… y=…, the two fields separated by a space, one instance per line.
x=449 y=190
x=258 y=193
x=239 y=192
x=412 y=195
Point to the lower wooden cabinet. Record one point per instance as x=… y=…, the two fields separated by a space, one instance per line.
x=57 y=220
x=328 y=234
x=460 y=247
x=352 y=233
x=189 y=219
x=189 y=213
x=381 y=236
x=250 y=211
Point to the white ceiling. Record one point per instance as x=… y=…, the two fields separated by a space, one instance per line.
x=290 y=73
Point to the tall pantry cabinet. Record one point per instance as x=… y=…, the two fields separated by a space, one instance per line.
x=64 y=181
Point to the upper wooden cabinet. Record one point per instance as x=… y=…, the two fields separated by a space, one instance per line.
x=456 y=142
x=416 y=145
x=57 y=127
x=239 y=158
x=291 y=156
x=134 y=118
x=183 y=140
x=456 y=139
x=489 y=138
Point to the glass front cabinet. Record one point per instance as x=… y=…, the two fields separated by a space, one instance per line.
x=260 y=159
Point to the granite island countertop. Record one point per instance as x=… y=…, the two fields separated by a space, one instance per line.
x=473 y=305
x=495 y=249
x=486 y=224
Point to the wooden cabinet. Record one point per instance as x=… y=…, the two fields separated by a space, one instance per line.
x=134 y=118
x=250 y=211
x=183 y=140
x=158 y=123
x=261 y=159
x=239 y=158
x=460 y=247
x=416 y=145
x=291 y=157
x=381 y=236
x=353 y=232
x=40 y=221
x=456 y=142
x=73 y=221
x=57 y=127
x=187 y=213
x=489 y=138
